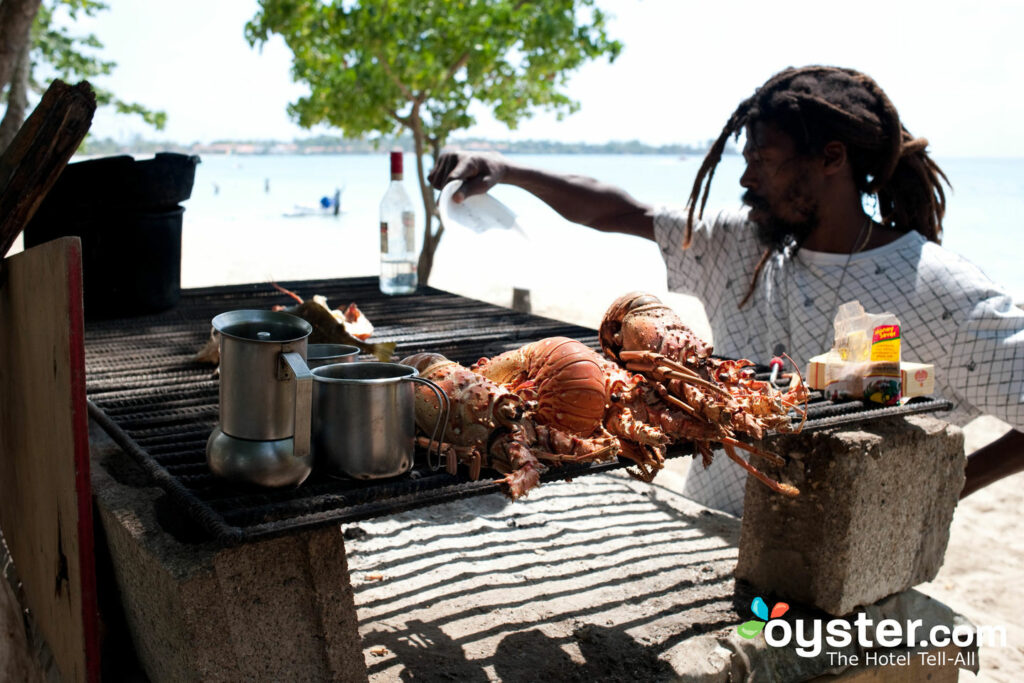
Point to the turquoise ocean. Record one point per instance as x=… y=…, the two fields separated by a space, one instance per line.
x=256 y=218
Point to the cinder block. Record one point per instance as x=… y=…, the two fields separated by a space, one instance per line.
x=280 y=609
x=872 y=518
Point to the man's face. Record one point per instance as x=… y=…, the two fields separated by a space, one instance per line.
x=778 y=185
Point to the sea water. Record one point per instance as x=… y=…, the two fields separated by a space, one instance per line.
x=236 y=230
x=397 y=275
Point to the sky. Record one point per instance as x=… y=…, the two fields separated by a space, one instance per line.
x=954 y=70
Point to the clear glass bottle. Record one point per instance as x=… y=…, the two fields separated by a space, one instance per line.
x=398 y=256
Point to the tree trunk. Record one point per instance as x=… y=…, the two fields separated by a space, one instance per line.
x=17 y=99
x=430 y=238
x=16 y=17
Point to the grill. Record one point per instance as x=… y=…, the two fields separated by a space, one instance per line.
x=148 y=394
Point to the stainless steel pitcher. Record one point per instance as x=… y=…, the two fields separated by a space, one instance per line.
x=265 y=399
x=318 y=355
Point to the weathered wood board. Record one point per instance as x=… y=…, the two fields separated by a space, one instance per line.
x=45 y=501
x=33 y=161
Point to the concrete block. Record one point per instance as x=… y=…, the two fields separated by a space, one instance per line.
x=280 y=609
x=872 y=518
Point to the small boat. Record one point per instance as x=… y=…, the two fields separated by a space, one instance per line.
x=327 y=206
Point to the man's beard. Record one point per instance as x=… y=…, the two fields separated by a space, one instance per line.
x=775 y=232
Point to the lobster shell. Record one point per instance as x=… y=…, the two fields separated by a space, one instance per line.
x=478 y=406
x=563 y=376
x=641 y=322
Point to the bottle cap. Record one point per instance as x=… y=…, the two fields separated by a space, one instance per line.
x=396 y=162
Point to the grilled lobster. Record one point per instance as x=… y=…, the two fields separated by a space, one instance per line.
x=722 y=397
x=580 y=395
x=488 y=425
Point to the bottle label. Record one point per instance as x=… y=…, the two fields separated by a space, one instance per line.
x=885 y=344
x=409 y=228
x=383 y=237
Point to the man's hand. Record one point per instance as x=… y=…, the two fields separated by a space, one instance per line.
x=478 y=171
x=576 y=198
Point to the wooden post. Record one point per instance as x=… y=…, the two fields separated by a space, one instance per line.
x=521 y=300
x=39 y=152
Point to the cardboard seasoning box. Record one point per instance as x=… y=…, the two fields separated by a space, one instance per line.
x=918 y=378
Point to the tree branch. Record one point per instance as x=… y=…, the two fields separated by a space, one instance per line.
x=408 y=94
x=454 y=68
x=404 y=120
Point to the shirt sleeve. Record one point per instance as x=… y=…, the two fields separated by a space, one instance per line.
x=983 y=356
x=715 y=255
x=986 y=361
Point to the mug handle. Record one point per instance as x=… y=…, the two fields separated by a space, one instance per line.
x=292 y=364
x=442 y=419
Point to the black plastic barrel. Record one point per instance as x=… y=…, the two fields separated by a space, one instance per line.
x=127 y=215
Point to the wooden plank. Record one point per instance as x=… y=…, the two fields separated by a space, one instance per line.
x=45 y=502
x=39 y=152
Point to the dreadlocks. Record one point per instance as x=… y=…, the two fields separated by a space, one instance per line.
x=815 y=105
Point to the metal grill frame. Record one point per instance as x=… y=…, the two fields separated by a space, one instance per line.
x=159 y=406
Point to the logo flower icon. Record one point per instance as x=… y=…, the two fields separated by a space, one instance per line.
x=750 y=629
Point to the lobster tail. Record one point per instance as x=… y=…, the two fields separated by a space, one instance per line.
x=560 y=375
x=570 y=386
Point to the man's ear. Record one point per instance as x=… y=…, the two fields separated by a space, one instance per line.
x=834 y=157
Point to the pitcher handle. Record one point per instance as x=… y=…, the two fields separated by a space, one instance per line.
x=293 y=365
x=442 y=420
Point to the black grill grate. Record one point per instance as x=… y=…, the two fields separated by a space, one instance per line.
x=160 y=406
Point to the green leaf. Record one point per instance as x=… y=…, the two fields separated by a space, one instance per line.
x=750 y=629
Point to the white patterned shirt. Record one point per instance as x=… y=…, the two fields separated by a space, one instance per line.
x=951 y=314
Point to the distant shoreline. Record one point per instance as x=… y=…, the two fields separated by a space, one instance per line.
x=336 y=145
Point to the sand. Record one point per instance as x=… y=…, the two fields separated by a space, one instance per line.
x=983 y=574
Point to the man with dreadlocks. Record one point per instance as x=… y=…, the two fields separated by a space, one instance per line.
x=818 y=141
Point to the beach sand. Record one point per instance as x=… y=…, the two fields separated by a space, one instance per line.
x=983 y=573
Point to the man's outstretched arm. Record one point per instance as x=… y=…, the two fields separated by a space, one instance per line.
x=1001 y=458
x=577 y=198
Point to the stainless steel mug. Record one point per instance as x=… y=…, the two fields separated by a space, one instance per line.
x=364 y=419
x=319 y=355
x=265 y=399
